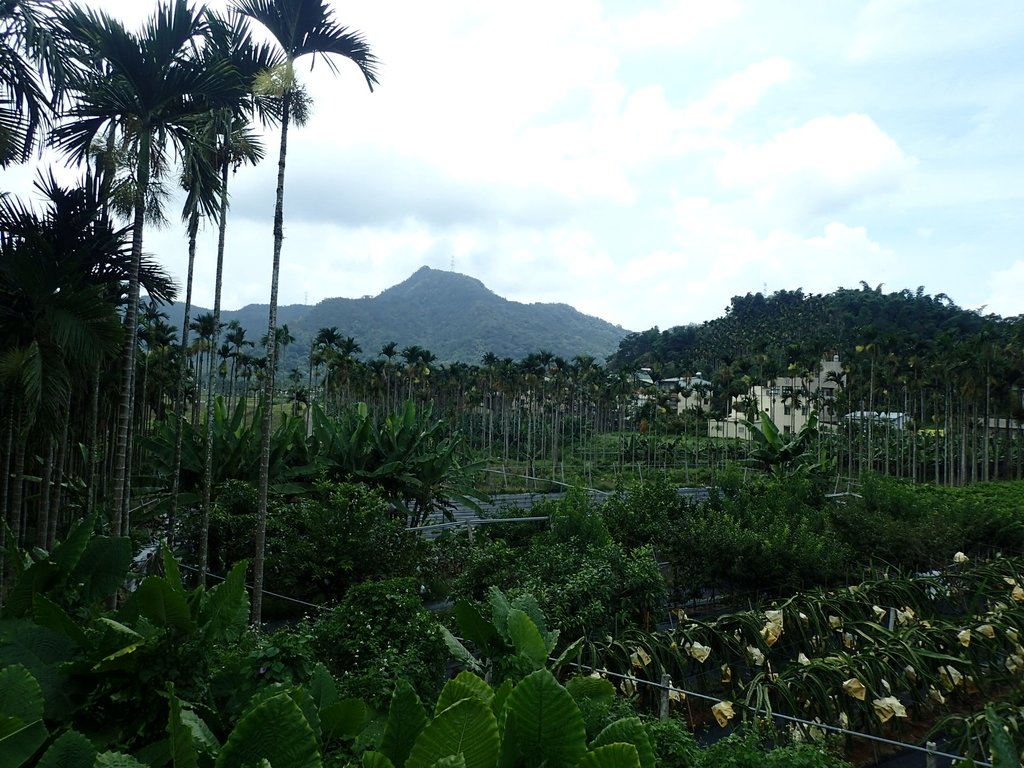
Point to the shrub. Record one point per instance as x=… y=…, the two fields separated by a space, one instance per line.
x=379 y=634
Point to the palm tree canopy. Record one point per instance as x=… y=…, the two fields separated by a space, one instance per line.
x=307 y=27
x=151 y=80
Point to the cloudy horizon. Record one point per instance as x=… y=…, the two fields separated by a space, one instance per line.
x=645 y=162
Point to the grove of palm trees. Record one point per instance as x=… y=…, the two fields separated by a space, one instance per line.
x=233 y=547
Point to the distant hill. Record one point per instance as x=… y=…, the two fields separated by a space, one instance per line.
x=454 y=316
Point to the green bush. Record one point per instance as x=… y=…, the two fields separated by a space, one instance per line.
x=381 y=633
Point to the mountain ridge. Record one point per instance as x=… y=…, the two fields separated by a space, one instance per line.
x=455 y=316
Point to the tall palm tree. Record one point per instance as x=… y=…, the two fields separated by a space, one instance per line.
x=28 y=51
x=57 y=318
x=151 y=87
x=301 y=28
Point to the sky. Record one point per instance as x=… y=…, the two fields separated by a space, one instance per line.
x=644 y=161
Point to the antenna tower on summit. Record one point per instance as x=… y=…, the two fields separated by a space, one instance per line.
x=453 y=262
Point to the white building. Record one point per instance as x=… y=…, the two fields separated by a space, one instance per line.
x=788 y=401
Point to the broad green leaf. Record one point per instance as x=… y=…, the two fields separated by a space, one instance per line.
x=39 y=578
x=202 y=737
x=501 y=694
x=611 y=756
x=163 y=605
x=528 y=604
x=68 y=552
x=474 y=627
x=628 y=730
x=594 y=688
x=322 y=687
x=71 y=750
x=19 y=745
x=406 y=718
x=172 y=572
x=468 y=727
x=452 y=761
x=277 y=731
x=499 y=609
x=117 y=760
x=459 y=651
x=373 y=759
x=183 y=750
x=343 y=719
x=45 y=654
x=103 y=567
x=226 y=610
x=548 y=722
x=47 y=613
x=526 y=638
x=20 y=694
x=465 y=685
x=566 y=656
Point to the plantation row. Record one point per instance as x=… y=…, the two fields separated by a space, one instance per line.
x=888 y=655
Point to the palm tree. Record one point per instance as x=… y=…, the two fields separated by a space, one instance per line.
x=58 y=320
x=150 y=87
x=300 y=28
x=28 y=49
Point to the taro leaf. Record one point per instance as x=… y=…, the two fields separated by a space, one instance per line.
x=171 y=570
x=474 y=627
x=103 y=567
x=226 y=611
x=549 y=725
x=18 y=741
x=452 y=761
x=459 y=651
x=468 y=727
x=20 y=694
x=43 y=652
x=71 y=750
x=527 y=603
x=322 y=687
x=117 y=760
x=596 y=689
x=47 y=613
x=498 y=701
x=67 y=554
x=406 y=718
x=277 y=731
x=373 y=759
x=465 y=685
x=343 y=719
x=202 y=737
x=499 y=609
x=39 y=577
x=628 y=730
x=183 y=750
x=565 y=656
x=526 y=638
x=160 y=603
x=611 y=756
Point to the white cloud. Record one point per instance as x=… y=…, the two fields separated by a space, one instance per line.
x=824 y=165
x=675 y=23
x=738 y=93
x=1006 y=291
x=897 y=29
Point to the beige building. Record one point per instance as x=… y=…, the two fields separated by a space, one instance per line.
x=693 y=393
x=788 y=400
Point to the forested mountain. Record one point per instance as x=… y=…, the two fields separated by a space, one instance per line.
x=455 y=317
x=899 y=343
x=793 y=327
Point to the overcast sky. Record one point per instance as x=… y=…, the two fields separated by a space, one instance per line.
x=645 y=161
